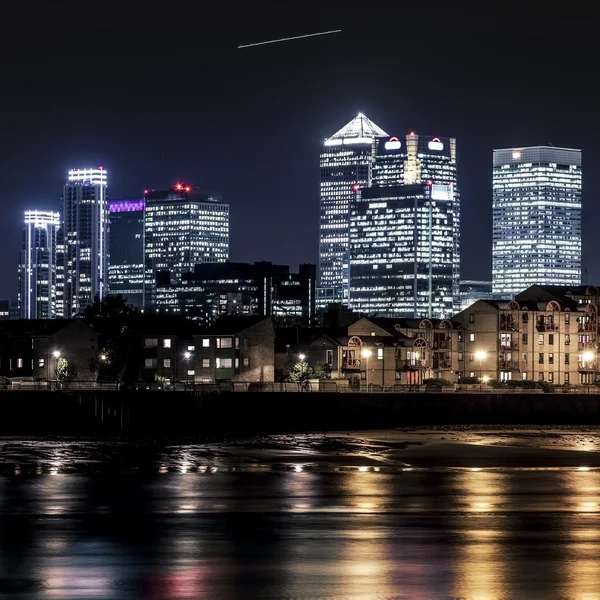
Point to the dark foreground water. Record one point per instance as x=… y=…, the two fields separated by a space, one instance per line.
x=84 y=521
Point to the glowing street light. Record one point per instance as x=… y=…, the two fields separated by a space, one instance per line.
x=480 y=355
x=187 y=356
x=301 y=357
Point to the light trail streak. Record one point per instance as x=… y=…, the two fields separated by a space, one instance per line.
x=288 y=39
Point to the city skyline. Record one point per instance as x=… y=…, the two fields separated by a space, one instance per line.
x=249 y=122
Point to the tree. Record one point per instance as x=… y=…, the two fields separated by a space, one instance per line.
x=302 y=371
x=113 y=320
x=65 y=371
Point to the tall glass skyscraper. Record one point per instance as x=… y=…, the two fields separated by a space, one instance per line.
x=404 y=231
x=84 y=238
x=37 y=265
x=126 y=245
x=346 y=164
x=184 y=227
x=401 y=240
x=536 y=218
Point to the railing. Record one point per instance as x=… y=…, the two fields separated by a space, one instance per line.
x=587 y=327
x=351 y=363
x=508 y=365
x=404 y=365
x=444 y=345
x=508 y=326
x=442 y=364
x=587 y=366
x=588 y=345
x=541 y=326
x=509 y=346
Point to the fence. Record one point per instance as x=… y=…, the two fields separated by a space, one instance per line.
x=313 y=386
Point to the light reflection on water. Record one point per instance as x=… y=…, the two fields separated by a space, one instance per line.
x=199 y=526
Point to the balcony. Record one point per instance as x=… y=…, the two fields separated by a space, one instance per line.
x=351 y=364
x=587 y=327
x=588 y=346
x=586 y=366
x=441 y=345
x=542 y=326
x=442 y=364
x=509 y=365
x=509 y=346
x=411 y=365
x=508 y=326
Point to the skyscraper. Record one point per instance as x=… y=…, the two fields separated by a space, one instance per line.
x=346 y=161
x=536 y=218
x=424 y=159
x=84 y=234
x=183 y=227
x=126 y=249
x=401 y=259
x=37 y=265
x=404 y=233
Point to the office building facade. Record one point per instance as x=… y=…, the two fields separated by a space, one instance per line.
x=184 y=227
x=401 y=251
x=536 y=218
x=126 y=248
x=84 y=239
x=215 y=290
x=417 y=159
x=346 y=161
x=37 y=265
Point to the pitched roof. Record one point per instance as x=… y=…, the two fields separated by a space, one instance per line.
x=231 y=325
x=34 y=327
x=360 y=127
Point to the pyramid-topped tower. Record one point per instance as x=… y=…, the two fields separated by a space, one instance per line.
x=361 y=127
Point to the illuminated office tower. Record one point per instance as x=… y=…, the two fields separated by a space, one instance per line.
x=126 y=249
x=536 y=218
x=423 y=159
x=346 y=161
x=37 y=265
x=184 y=227
x=84 y=238
x=401 y=250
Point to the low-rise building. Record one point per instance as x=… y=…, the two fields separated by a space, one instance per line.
x=39 y=348
x=235 y=349
x=548 y=333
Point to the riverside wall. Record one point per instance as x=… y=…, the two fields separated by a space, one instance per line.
x=178 y=414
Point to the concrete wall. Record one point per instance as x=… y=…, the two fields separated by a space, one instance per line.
x=179 y=414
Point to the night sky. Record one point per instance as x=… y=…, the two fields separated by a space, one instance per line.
x=159 y=98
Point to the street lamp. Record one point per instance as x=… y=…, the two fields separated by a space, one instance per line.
x=187 y=356
x=365 y=354
x=56 y=355
x=480 y=355
x=301 y=357
x=588 y=357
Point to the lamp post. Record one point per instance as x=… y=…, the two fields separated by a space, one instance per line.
x=480 y=355
x=365 y=354
x=187 y=356
x=56 y=355
x=587 y=358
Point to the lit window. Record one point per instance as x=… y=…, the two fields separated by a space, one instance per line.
x=206 y=363
x=246 y=362
x=167 y=363
x=150 y=342
x=41 y=362
x=224 y=363
x=167 y=343
x=471 y=337
x=19 y=363
x=379 y=353
x=205 y=342
x=150 y=363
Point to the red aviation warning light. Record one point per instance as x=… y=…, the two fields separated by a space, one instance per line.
x=356 y=187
